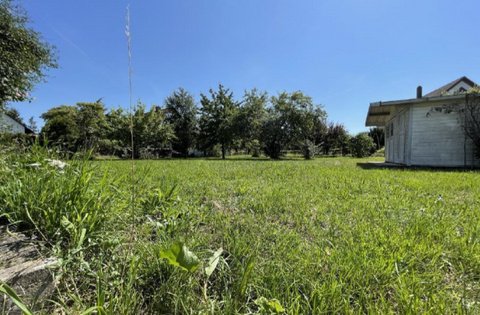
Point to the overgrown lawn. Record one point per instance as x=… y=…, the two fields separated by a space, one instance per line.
x=328 y=235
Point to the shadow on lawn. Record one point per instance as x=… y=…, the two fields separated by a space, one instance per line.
x=228 y=159
x=391 y=166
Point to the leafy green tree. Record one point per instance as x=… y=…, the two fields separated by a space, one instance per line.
x=117 y=133
x=378 y=137
x=24 y=55
x=250 y=119
x=217 y=120
x=152 y=134
x=80 y=127
x=361 y=145
x=335 y=138
x=61 y=126
x=273 y=137
x=181 y=112
x=294 y=121
x=91 y=123
x=32 y=124
x=310 y=149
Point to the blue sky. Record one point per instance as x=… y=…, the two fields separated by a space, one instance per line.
x=343 y=53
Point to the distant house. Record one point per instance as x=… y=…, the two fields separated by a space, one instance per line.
x=8 y=124
x=416 y=135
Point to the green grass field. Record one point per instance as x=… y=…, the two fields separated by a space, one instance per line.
x=327 y=235
x=319 y=236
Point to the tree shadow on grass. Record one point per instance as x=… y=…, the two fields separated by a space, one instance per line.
x=398 y=167
x=216 y=159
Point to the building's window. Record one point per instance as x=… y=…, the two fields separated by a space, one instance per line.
x=387 y=130
x=391 y=130
x=461 y=90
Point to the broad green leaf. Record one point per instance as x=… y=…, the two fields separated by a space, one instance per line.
x=67 y=225
x=95 y=309
x=272 y=306
x=213 y=262
x=179 y=255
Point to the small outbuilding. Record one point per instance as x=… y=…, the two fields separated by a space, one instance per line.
x=10 y=125
x=417 y=134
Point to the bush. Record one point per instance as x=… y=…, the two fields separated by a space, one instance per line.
x=361 y=145
x=310 y=150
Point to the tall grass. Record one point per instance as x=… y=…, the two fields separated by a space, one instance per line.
x=63 y=203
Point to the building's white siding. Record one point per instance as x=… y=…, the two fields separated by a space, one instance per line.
x=7 y=124
x=397 y=133
x=437 y=139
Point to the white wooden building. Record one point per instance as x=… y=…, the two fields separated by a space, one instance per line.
x=416 y=135
x=10 y=125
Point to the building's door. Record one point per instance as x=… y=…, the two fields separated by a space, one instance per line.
x=401 y=138
x=390 y=145
x=395 y=148
x=400 y=125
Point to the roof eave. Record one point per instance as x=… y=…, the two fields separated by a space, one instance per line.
x=377 y=117
x=418 y=100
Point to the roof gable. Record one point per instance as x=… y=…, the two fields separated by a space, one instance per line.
x=449 y=86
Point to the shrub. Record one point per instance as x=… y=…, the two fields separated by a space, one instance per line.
x=310 y=150
x=361 y=145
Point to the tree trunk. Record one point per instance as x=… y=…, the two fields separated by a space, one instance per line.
x=223 y=151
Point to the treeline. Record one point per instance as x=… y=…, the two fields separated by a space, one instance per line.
x=221 y=125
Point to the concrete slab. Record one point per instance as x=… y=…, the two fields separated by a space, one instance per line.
x=25 y=270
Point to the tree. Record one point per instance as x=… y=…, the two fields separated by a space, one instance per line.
x=309 y=149
x=61 y=127
x=217 y=120
x=32 y=124
x=181 y=113
x=24 y=55
x=118 y=136
x=91 y=124
x=361 y=145
x=79 y=127
x=250 y=119
x=273 y=137
x=152 y=134
x=471 y=118
x=293 y=121
x=378 y=137
x=335 y=138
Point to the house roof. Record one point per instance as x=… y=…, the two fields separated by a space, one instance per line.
x=379 y=112
x=27 y=130
x=447 y=87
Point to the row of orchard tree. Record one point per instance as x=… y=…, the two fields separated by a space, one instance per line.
x=219 y=125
